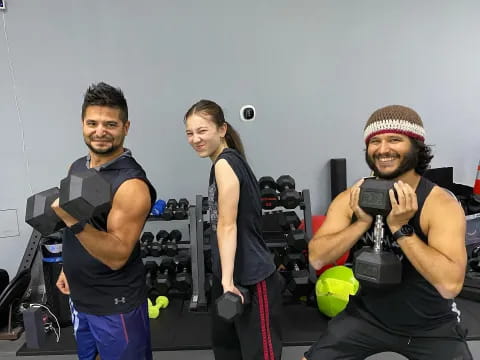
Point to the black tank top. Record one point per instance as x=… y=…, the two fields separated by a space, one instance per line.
x=414 y=306
x=253 y=262
x=94 y=287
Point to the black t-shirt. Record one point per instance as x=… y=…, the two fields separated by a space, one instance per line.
x=94 y=287
x=414 y=306
x=253 y=262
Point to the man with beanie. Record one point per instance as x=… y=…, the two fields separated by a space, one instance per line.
x=426 y=229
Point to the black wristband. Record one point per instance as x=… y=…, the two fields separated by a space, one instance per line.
x=78 y=227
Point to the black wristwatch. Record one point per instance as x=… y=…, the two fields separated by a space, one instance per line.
x=78 y=227
x=405 y=230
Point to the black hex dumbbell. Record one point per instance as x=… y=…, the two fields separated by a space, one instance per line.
x=174 y=238
x=183 y=276
x=162 y=239
x=289 y=197
x=39 y=213
x=376 y=266
x=146 y=243
x=151 y=268
x=296 y=263
x=155 y=248
x=295 y=237
x=163 y=281
x=299 y=282
x=169 y=211
x=82 y=195
x=229 y=305
x=268 y=192
x=182 y=209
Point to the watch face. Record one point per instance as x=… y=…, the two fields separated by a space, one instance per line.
x=407 y=229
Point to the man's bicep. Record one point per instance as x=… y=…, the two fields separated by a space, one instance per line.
x=130 y=208
x=338 y=215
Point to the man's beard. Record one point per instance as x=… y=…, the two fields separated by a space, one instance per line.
x=103 y=151
x=409 y=162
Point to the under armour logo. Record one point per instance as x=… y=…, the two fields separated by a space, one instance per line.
x=121 y=300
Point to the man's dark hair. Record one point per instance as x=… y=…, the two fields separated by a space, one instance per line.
x=102 y=94
x=424 y=156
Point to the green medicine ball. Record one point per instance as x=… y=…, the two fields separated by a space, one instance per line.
x=333 y=289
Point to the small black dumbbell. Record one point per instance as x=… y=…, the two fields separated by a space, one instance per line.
x=182 y=209
x=172 y=245
x=163 y=281
x=295 y=260
x=299 y=283
x=162 y=238
x=146 y=243
x=229 y=305
x=268 y=192
x=289 y=197
x=155 y=249
x=169 y=211
x=295 y=237
x=183 y=277
x=150 y=271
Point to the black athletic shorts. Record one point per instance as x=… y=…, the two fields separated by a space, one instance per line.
x=350 y=335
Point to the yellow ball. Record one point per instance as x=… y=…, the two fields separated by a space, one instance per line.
x=334 y=288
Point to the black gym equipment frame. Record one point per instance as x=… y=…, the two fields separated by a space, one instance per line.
x=199 y=299
x=15 y=290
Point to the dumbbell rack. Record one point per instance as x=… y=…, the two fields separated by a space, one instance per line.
x=198 y=300
x=306 y=207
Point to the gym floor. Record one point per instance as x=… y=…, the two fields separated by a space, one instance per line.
x=8 y=350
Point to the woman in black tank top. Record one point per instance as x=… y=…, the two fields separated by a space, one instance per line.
x=239 y=254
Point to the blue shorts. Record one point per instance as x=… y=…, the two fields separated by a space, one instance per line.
x=114 y=337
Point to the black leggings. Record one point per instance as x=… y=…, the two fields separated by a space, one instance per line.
x=256 y=334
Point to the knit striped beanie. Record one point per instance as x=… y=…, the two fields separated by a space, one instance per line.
x=394 y=119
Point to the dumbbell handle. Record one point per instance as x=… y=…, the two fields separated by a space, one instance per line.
x=245 y=294
x=378 y=234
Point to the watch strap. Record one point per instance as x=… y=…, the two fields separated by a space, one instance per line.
x=78 y=227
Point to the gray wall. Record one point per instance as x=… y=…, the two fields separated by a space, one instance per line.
x=315 y=70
